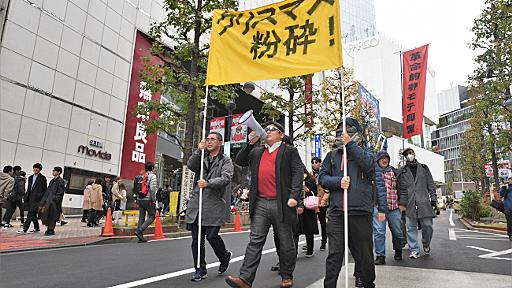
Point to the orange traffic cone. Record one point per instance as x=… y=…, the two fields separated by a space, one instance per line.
x=107 y=229
x=237 y=222
x=159 y=233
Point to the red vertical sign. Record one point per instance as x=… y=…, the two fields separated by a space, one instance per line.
x=138 y=147
x=414 y=80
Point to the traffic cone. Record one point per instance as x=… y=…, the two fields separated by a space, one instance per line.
x=237 y=222
x=107 y=229
x=159 y=233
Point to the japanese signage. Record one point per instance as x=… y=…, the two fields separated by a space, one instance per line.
x=238 y=131
x=138 y=147
x=414 y=80
x=218 y=124
x=187 y=185
x=370 y=108
x=284 y=39
x=318 y=146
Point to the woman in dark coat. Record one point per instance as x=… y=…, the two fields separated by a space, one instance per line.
x=307 y=220
x=51 y=203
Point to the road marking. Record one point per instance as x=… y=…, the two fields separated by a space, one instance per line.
x=482 y=238
x=451 y=218
x=492 y=254
x=451 y=234
x=190 y=236
x=187 y=271
x=480 y=232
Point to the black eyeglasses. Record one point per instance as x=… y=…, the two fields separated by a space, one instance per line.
x=271 y=128
x=316 y=162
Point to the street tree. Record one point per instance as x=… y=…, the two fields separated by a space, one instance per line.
x=489 y=84
x=180 y=40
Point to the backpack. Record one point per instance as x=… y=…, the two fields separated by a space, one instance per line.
x=140 y=185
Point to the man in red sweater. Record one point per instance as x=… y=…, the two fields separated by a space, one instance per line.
x=276 y=188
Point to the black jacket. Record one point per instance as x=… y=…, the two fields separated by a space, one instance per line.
x=289 y=178
x=52 y=199
x=18 y=192
x=34 y=192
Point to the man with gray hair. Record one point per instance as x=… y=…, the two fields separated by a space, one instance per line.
x=216 y=185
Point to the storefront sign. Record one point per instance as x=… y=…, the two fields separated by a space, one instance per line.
x=94 y=153
x=138 y=146
x=95 y=143
x=363 y=44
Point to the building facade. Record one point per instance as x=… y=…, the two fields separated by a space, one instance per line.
x=65 y=78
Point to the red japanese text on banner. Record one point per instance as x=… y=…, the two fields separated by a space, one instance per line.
x=414 y=80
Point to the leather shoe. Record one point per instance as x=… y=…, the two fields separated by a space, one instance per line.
x=286 y=283
x=359 y=282
x=237 y=282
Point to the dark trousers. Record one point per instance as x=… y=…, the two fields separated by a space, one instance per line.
x=264 y=215
x=361 y=245
x=31 y=218
x=322 y=217
x=146 y=206
x=51 y=225
x=10 y=208
x=94 y=216
x=296 y=235
x=508 y=216
x=85 y=214
x=212 y=235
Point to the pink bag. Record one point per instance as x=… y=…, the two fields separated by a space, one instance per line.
x=311 y=202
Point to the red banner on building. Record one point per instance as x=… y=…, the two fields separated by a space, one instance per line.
x=414 y=80
x=138 y=146
x=308 y=105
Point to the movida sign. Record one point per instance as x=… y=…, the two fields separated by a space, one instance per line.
x=94 y=153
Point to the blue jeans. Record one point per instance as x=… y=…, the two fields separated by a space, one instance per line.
x=427 y=230
x=379 y=231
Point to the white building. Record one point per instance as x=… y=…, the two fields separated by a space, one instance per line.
x=65 y=70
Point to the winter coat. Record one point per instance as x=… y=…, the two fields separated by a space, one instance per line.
x=116 y=194
x=52 y=200
x=96 y=197
x=417 y=192
x=86 y=204
x=380 y=184
x=506 y=196
x=216 y=195
x=6 y=186
x=307 y=220
x=361 y=171
x=18 y=192
x=35 y=192
x=289 y=178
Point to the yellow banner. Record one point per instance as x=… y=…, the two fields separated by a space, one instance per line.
x=284 y=39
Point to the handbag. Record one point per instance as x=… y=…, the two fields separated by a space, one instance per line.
x=311 y=202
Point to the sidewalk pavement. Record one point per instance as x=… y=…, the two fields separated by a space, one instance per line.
x=424 y=278
x=71 y=234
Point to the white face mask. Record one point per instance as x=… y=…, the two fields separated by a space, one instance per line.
x=410 y=157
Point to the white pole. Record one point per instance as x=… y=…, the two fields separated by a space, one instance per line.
x=199 y=216
x=345 y=191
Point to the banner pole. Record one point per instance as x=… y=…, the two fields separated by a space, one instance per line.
x=345 y=191
x=402 y=90
x=200 y=214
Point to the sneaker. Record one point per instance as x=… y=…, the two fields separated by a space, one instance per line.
x=426 y=249
x=305 y=248
x=198 y=275
x=322 y=247
x=414 y=255
x=8 y=225
x=21 y=231
x=224 y=264
x=398 y=254
x=34 y=231
x=62 y=223
x=380 y=260
x=309 y=255
x=140 y=236
x=276 y=267
x=359 y=282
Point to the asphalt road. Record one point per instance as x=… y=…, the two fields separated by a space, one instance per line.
x=169 y=263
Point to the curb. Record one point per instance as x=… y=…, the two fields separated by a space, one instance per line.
x=111 y=240
x=470 y=226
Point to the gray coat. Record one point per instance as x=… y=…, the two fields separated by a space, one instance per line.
x=417 y=192
x=216 y=195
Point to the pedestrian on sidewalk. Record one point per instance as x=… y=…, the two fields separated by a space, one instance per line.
x=276 y=189
x=361 y=172
x=19 y=202
x=506 y=195
x=308 y=224
x=15 y=197
x=147 y=201
x=417 y=196
x=50 y=208
x=36 y=188
x=86 y=203
x=216 y=185
x=6 y=186
x=107 y=195
x=95 y=203
x=122 y=204
x=387 y=211
x=116 y=194
x=323 y=204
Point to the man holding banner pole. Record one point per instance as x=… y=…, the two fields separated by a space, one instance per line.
x=360 y=169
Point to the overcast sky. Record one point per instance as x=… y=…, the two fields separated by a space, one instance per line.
x=445 y=24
